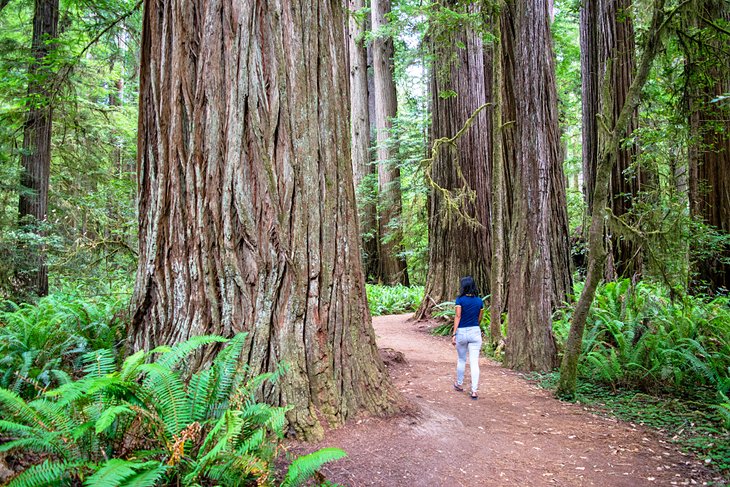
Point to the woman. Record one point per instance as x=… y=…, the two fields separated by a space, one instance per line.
x=467 y=335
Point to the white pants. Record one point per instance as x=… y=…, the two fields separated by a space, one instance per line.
x=468 y=339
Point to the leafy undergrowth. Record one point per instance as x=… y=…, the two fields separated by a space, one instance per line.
x=140 y=423
x=695 y=425
x=41 y=344
x=391 y=300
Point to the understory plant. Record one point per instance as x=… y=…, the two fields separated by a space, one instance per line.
x=142 y=424
x=41 y=344
x=637 y=337
x=389 y=300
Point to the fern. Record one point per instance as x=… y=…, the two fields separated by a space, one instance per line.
x=305 y=466
x=45 y=474
x=207 y=431
x=171 y=357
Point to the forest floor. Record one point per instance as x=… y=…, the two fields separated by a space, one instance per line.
x=515 y=434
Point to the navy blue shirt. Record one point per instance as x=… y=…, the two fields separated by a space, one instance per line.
x=470 y=307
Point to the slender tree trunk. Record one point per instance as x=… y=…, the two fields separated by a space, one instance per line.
x=500 y=217
x=708 y=78
x=362 y=167
x=609 y=147
x=392 y=264
x=539 y=269
x=246 y=202
x=36 y=157
x=458 y=247
x=607 y=46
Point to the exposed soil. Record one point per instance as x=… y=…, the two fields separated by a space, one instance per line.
x=515 y=434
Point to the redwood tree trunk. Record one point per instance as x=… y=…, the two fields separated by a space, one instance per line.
x=607 y=44
x=458 y=247
x=246 y=202
x=362 y=167
x=539 y=268
x=708 y=78
x=390 y=260
x=36 y=157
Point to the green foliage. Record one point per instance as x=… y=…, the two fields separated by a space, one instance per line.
x=90 y=232
x=141 y=424
x=637 y=337
x=41 y=344
x=390 y=300
x=305 y=466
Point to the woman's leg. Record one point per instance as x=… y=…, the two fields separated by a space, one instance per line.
x=462 y=345
x=475 y=347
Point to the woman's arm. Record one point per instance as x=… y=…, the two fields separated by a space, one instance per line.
x=457 y=319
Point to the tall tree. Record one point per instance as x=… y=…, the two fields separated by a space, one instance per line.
x=539 y=267
x=503 y=159
x=609 y=145
x=36 y=155
x=458 y=213
x=362 y=166
x=708 y=81
x=607 y=46
x=246 y=202
x=392 y=263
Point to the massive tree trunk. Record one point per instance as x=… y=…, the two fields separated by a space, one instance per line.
x=708 y=78
x=607 y=46
x=246 y=202
x=539 y=268
x=459 y=246
x=390 y=260
x=360 y=135
x=36 y=156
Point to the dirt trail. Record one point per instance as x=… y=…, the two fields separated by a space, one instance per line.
x=515 y=434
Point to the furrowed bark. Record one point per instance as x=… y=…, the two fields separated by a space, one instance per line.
x=392 y=264
x=539 y=268
x=458 y=247
x=35 y=160
x=246 y=202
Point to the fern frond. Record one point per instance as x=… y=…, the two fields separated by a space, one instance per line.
x=181 y=351
x=38 y=445
x=146 y=478
x=108 y=416
x=304 y=467
x=99 y=363
x=114 y=472
x=43 y=474
x=165 y=390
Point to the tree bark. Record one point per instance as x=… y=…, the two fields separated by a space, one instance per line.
x=500 y=215
x=708 y=78
x=607 y=48
x=36 y=157
x=609 y=147
x=458 y=247
x=392 y=264
x=246 y=202
x=539 y=268
x=362 y=167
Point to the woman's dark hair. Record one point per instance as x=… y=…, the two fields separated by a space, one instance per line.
x=468 y=287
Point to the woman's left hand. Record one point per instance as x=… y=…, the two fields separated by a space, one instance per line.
x=453 y=339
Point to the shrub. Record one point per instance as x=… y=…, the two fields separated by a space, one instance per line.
x=141 y=424
x=389 y=300
x=41 y=344
x=636 y=336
